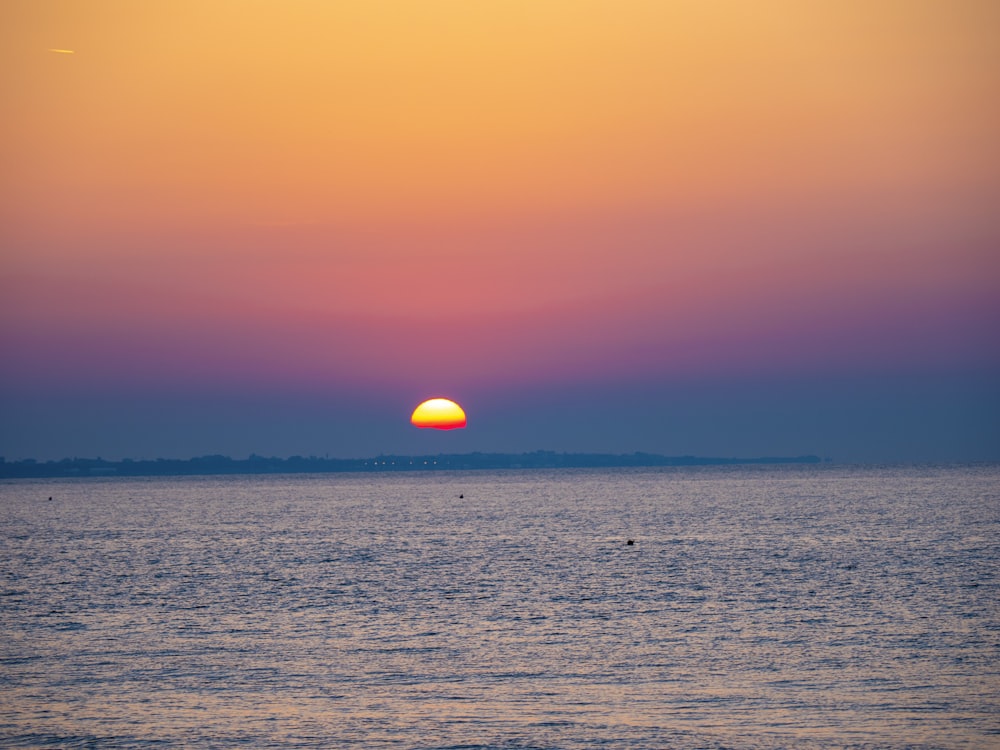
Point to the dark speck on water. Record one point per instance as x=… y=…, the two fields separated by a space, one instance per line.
x=815 y=608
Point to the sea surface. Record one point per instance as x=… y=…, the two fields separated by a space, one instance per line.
x=758 y=607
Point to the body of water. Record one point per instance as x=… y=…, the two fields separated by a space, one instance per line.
x=758 y=607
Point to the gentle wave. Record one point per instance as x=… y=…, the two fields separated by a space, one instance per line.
x=758 y=608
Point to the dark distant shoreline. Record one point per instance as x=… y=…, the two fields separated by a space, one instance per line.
x=220 y=465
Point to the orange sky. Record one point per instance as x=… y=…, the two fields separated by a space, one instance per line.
x=232 y=115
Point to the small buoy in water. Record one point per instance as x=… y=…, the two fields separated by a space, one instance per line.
x=50 y=499
x=630 y=542
x=461 y=497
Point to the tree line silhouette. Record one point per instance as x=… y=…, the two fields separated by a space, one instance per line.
x=216 y=464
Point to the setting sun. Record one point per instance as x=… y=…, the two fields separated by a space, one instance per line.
x=439 y=413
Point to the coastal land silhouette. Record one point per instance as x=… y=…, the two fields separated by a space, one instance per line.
x=254 y=464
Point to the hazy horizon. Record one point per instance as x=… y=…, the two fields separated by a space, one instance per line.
x=884 y=426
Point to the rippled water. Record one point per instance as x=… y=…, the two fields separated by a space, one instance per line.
x=822 y=607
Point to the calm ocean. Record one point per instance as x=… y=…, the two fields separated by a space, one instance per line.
x=761 y=607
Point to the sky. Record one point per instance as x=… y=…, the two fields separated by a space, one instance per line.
x=690 y=228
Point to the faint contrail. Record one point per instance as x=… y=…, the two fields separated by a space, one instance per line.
x=64 y=51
